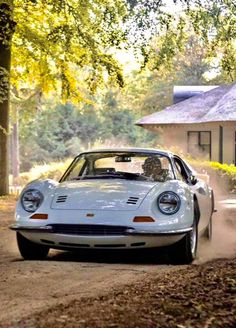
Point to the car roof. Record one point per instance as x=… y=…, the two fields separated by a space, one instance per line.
x=131 y=150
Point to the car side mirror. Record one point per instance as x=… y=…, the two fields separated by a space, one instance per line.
x=192 y=179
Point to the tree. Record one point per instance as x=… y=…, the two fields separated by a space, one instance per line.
x=56 y=132
x=51 y=40
x=151 y=89
x=212 y=21
x=6 y=32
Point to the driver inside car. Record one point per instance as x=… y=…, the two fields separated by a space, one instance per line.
x=152 y=168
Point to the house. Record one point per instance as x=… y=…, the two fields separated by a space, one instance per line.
x=203 y=125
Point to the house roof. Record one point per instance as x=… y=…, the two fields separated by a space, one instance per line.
x=216 y=105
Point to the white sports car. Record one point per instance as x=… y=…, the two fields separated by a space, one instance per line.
x=116 y=198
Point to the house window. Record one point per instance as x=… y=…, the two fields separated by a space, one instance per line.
x=199 y=144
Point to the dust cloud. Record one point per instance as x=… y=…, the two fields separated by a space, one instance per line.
x=223 y=244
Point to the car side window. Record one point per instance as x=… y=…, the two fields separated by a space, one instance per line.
x=180 y=171
x=77 y=169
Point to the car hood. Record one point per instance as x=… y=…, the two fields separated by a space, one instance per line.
x=101 y=194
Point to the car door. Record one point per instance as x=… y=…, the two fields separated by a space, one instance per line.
x=199 y=187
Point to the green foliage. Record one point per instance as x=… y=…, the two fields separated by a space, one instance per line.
x=61 y=131
x=65 y=49
x=118 y=119
x=223 y=175
x=4 y=84
x=226 y=171
x=48 y=135
x=64 y=130
x=213 y=22
x=62 y=45
x=57 y=45
x=7 y=23
x=151 y=90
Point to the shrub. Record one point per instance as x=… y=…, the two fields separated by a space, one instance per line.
x=52 y=170
x=226 y=171
x=223 y=175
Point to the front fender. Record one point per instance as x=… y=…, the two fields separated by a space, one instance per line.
x=46 y=187
x=179 y=220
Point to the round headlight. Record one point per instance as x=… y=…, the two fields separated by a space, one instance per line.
x=168 y=202
x=31 y=200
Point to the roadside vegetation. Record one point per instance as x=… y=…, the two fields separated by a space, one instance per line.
x=222 y=174
x=227 y=172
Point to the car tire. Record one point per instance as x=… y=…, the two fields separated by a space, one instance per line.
x=185 y=250
x=30 y=250
x=208 y=231
x=207 y=235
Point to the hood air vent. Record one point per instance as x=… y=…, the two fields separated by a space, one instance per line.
x=132 y=200
x=61 y=199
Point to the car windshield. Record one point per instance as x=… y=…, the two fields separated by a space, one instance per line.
x=120 y=165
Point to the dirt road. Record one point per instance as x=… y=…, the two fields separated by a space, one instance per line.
x=28 y=287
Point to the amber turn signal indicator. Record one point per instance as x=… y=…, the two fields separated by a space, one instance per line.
x=143 y=219
x=39 y=216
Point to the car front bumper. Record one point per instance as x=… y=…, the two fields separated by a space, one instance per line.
x=129 y=230
x=130 y=238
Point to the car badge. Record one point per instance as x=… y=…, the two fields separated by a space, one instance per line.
x=90 y=215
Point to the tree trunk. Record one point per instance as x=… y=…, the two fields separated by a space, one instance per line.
x=6 y=32
x=15 y=150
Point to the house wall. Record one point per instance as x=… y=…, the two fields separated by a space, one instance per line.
x=229 y=148
x=177 y=136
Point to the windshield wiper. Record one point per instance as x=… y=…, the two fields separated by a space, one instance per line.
x=115 y=175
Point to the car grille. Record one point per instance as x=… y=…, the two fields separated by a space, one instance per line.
x=61 y=199
x=89 y=229
x=132 y=200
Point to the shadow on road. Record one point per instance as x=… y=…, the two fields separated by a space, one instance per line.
x=115 y=256
x=154 y=256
